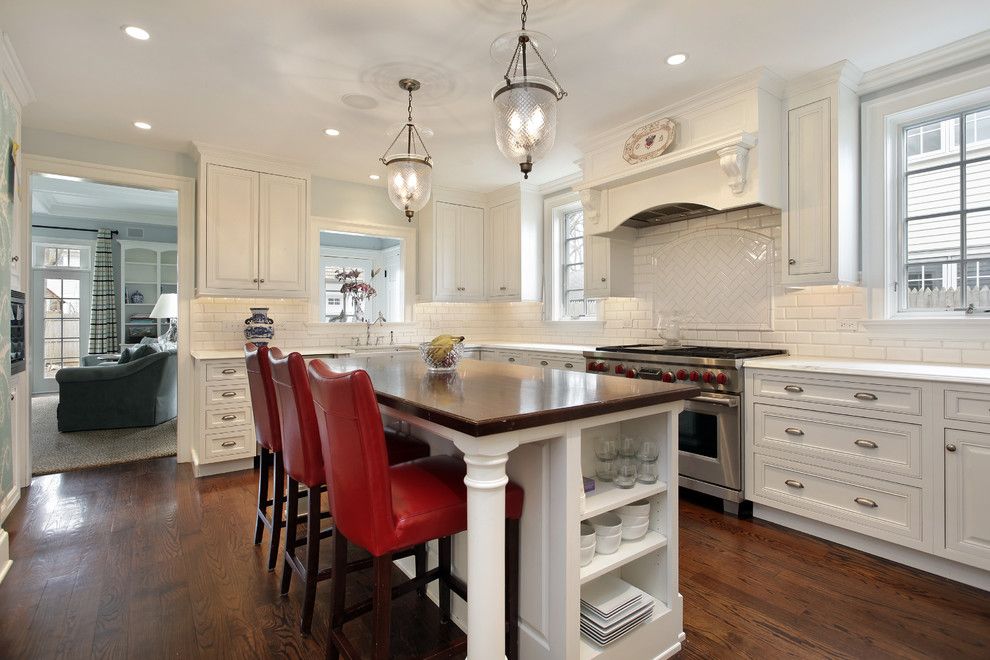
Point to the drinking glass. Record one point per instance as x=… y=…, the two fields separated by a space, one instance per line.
x=649 y=472
x=607 y=449
x=625 y=472
x=628 y=446
x=649 y=451
x=605 y=471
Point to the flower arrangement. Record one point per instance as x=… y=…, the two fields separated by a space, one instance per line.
x=352 y=286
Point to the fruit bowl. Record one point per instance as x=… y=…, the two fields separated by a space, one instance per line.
x=441 y=360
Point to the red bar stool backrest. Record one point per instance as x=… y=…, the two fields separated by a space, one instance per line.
x=301 y=452
x=263 y=401
x=355 y=458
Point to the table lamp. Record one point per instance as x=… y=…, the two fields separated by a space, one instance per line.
x=167 y=307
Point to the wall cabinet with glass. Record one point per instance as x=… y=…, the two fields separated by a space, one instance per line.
x=147 y=270
x=253 y=217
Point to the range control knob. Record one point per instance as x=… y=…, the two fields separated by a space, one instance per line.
x=620 y=369
x=590 y=366
x=694 y=375
x=630 y=373
x=682 y=374
x=708 y=377
x=721 y=378
x=668 y=377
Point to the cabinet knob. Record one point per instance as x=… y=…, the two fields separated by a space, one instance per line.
x=544 y=363
x=950 y=448
x=603 y=278
x=11 y=396
x=15 y=258
x=569 y=365
x=512 y=359
x=791 y=262
x=262 y=280
x=255 y=280
x=501 y=288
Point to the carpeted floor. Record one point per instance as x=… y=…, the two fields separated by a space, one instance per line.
x=52 y=451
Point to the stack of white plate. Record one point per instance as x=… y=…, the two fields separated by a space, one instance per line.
x=610 y=608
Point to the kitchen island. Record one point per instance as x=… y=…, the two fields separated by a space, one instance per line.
x=540 y=427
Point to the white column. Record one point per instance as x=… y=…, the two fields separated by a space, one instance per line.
x=486 y=480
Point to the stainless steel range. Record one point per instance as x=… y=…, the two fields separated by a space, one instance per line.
x=711 y=426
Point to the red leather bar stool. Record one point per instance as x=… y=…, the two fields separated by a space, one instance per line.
x=386 y=509
x=303 y=462
x=269 y=436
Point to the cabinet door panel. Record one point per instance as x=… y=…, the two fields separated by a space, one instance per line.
x=446 y=228
x=808 y=238
x=512 y=251
x=231 y=228
x=470 y=261
x=282 y=248
x=495 y=252
x=967 y=492
x=596 y=267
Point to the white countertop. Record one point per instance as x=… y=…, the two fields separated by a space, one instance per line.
x=574 y=349
x=882 y=368
x=239 y=353
x=569 y=349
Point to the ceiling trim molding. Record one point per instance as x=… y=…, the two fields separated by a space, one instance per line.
x=12 y=73
x=952 y=54
x=562 y=184
x=219 y=155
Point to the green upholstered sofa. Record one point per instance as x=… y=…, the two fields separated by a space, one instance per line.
x=138 y=392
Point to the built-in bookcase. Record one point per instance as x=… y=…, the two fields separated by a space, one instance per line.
x=148 y=269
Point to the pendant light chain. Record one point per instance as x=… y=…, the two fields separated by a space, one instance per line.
x=525 y=8
x=409 y=107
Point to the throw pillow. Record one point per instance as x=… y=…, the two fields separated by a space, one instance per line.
x=125 y=356
x=142 y=351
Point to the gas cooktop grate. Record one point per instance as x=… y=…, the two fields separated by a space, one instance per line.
x=713 y=352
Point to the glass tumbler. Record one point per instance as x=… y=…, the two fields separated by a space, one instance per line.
x=605 y=471
x=628 y=446
x=649 y=472
x=625 y=472
x=607 y=449
x=649 y=451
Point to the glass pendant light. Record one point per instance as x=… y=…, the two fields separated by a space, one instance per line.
x=408 y=175
x=525 y=105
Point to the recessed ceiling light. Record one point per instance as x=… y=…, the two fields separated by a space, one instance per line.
x=374 y=177
x=332 y=132
x=677 y=58
x=143 y=125
x=134 y=32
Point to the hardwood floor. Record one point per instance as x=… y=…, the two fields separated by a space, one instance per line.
x=143 y=560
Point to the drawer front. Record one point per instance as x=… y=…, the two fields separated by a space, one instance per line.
x=891 y=447
x=226 y=370
x=557 y=362
x=230 y=444
x=227 y=394
x=851 y=394
x=513 y=358
x=967 y=406
x=224 y=418
x=863 y=504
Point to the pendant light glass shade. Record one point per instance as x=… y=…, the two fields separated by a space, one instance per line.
x=408 y=175
x=525 y=120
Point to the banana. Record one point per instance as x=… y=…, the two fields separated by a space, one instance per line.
x=441 y=346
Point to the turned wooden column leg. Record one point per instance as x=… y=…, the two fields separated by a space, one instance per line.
x=278 y=505
x=382 y=606
x=264 y=463
x=442 y=584
x=312 y=560
x=291 y=525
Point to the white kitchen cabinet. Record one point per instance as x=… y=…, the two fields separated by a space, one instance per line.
x=821 y=220
x=514 y=244
x=252 y=228
x=503 y=254
x=967 y=494
x=459 y=249
x=608 y=269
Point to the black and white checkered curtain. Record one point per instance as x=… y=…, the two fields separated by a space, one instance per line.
x=103 y=318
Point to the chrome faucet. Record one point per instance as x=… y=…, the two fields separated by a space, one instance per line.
x=368 y=324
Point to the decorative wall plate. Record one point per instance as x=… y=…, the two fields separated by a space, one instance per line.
x=649 y=141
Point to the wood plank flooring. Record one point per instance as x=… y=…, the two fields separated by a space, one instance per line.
x=143 y=560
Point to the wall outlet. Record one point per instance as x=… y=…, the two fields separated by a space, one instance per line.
x=848 y=325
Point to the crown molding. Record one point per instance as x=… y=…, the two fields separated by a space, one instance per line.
x=842 y=72
x=204 y=152
x=958 y=52
x=12 y=73
x=561 y=184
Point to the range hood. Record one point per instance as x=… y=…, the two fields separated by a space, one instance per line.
x=726 y=155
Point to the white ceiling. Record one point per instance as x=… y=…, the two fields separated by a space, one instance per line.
x=97 y=201
x=269 y=76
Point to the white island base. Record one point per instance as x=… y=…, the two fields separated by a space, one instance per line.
x=548 y=462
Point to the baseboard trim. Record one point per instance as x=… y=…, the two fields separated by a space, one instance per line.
x=9 y=502
x=5 y=562
x=917 y=559
x=211 y=469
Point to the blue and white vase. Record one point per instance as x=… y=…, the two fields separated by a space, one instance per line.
x=259 y=329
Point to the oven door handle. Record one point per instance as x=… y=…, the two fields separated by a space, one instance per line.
x=728 y=403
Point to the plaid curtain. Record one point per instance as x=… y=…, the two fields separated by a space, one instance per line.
x=103 y=318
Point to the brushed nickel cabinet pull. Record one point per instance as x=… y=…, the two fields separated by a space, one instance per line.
x=543 y=363
x=228 y=394
x=262 y=280
x=862 y=501
x=229 y=371
x=229 y=418
x=512 y=359
x=793 y=388
x=255 y=280
x=501 y=288
x=790 y=430
x=950 y=447
x=568 y=365
x=865 y=396
x=793 y=483
x=866 y=444
x=791 y=262
x=228 y=443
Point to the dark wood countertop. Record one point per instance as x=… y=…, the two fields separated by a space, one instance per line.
x=483 y=398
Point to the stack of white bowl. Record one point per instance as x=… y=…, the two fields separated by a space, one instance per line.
x=635 y=520
x=608 y=530
x=588 y=543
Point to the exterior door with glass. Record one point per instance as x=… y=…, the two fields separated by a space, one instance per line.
x=60 y=321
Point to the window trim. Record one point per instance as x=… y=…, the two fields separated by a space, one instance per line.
x=554 y=208
x=883 y=121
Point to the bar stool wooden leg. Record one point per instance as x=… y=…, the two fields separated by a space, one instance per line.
x=382 y=605
x=264 y=463
x=278 y=502
x=312 y=559
x=420 y=555
x=291 y=524
x=443 y=584
x=338 y=592
x=512 y=589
